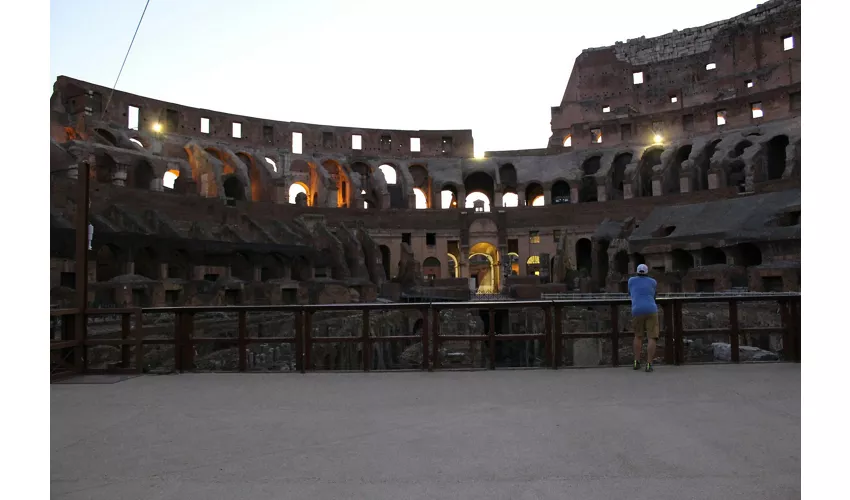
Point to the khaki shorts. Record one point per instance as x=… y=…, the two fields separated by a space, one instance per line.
x=646 y=325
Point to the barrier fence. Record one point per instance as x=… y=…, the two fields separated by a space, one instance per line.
x=379 y=336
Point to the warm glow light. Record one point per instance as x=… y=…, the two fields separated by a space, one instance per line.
x=539 y=201
x=471 y=198
x=169 y=178
x=157 y=127
x=479 y=155
x=658 y=139
x=421 y=200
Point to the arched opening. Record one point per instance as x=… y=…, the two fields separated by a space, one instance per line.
x=776 y=157
x=137 y=142
x=145 y=264
x=584 y=256
x=105 y=165
x=587 y=191
x=254 y=175
x=507 y=180
x=477 y=201
x=452 y=264
x=602 y=260
x=431 y=268
x=739 y=149
x=682 y=260
x=560 y=193
x=510 y=199
x=534 y=196
x=233 y=188
x=651 y=157
x=272 y=268
x=143 y=175
x=749 y=254
x=107 y=136
x=513 y=262
x=340 y=181
x=638 y=258
x=532 y=266
x=179 y=266
x=385 y=259
x=483 y=267
x=301 y=269
x=736 y=176
x=448 y=197
x=703 y=165
x=621 y=262
x=106 y=263
x=271 y=163
x=420 y=198
x=169 y=178
x=710 y=256
x=296 y=189
x=618 y=174
x=480 y=182
x=390 y=175
x=673 y=184
x=241 y=268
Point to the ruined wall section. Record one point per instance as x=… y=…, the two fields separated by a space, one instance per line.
x=83 y=105
x=679 y=96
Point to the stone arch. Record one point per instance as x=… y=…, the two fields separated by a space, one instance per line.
x=106 y=136
x=749 y=254
x=386 y=259
x=233 y=188
x=485 y=270
x=703 y=165
x=736 y=175
x=448 y=196
x=302 y=270
x=241 y=267
x=272 y=267
x=560 y=192
x=105 y=166
x=710 y=256
x=618 y=174
x=534 y=195
x=146 y=263
x=341 y=181
x=143 y=175
x=107 y=263
x=651 y=157
x=297 y=189
x=739 y=148
x=776 y=156
x=508 y=178
x=431 y=267
x=584 y=255
x=683 y=261
x=179 y=265
x=479 y=182
x=421 y=186
x=452 y=265
x=254 y=175
x=621 y=262
x=390 y=173
x=672 y=184
x=587 y=191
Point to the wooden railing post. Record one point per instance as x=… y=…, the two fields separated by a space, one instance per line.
x=178 y=341
x=547 y=335
x=615 y=335
x=492 y=337
x=189 y=346
x=787 y=342
x=242 y=340
x=669 y=340
x=678 y=333
x=80 y=351
x=125 y=335
x=308 y=340
x=299 y=341
x=367 y=342
x=435 y=344
x=558 y=338
x=426 y=329
x=797 y=337
x=734 y=332
x=140 y=343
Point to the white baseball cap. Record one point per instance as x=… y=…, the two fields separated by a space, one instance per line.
x=642 y=269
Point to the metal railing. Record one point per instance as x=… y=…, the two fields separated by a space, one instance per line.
x=69 y=352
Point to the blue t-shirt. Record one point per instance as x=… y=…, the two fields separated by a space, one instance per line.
x=642 y=291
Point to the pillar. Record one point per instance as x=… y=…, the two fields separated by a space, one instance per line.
x=547 y=197
x=657 y=188
x=156 y=185
x=601 y=193
x=628 y=191
x=574 y=193
x=497 y=202
x=119 y=175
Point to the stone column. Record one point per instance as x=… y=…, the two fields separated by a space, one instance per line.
x=258 y=273
x=685 y=184
x=657 y=188
x=497 y=202
x=601 y=193
x=163 y=271
x=119 y=175
x=156 y=185
x=574 y=193
x=547 y=197
x=628 y=191
x=520 y=197
x=713 y=180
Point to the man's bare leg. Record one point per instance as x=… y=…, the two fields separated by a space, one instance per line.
x=636 y=347
x=650 y=350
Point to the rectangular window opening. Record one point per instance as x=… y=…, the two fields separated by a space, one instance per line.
x=556 y=236
x=606 y=109
x=674 y=99
x=386 y=143
x=758 y=112
x=171 y=120
x=710 y=66
x=788 y=42
x=596 y=135
x=625 y=131
x=237 y=130
x=688 y=123
x=750 y=84
x=205 y=125
x=721 y=117
x=268 y=134
x=405 y=238
x=356 y=142
x=327 y=140
x=415 y=145
x=133 y=118
x=431 y=239
x=637 y=77
x=534 y=237
x=296 y=143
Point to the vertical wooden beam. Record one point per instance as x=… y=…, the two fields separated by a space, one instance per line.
x=125 y=335
x=178 y=341
x=678 y=332
x=435 y=345
x=797 y=337
x=492 y=337
x=558 y=338
x=734 y=332
x=426 y=330
x=299 y=341
x=367 y=342
x=547 y=335
x=787 y=336
x=308 y=341
x=615 y=335
x=140 y=345
x=669 y=340
x=242 y=340
x=189 y=343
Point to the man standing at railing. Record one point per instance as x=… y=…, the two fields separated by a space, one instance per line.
x=644 y=314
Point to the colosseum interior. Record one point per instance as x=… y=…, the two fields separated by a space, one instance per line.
x=680 y=151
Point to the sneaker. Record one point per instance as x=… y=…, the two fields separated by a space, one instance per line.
x=637 y=365
x=648 y=367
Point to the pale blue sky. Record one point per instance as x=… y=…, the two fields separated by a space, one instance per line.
x=493 y=66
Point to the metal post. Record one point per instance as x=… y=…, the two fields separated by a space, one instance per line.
x=734 y=332
x=615 y=335
x=81 y=264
